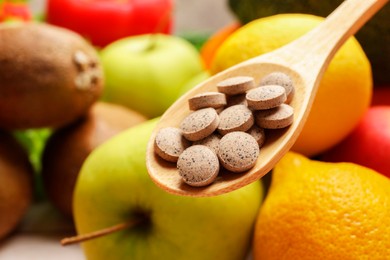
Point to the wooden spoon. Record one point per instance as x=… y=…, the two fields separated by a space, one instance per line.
x=305 y=60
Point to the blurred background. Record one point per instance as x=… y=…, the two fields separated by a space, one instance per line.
x=200 y=16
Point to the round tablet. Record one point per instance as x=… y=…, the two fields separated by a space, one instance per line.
x=207 y=99
x=275 y=118
x=198 y=165
x=238 y=151
x=235 y=118
x=170 y=143
x=211 y=141
x=257 y=133
x=236 y=85
x=281 y=79
x=200 y=124
x=236 y=100
x=266 y=97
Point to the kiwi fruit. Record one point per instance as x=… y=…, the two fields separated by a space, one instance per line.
x=50 y=76
x=68 y=147
x=16 y=183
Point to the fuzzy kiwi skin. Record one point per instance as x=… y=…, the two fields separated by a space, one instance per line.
x=38 y=74
x=16 y=183
x=68 y=147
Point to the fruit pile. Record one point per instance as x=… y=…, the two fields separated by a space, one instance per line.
x=84 y=103
x=53 y=114
x=376 y=30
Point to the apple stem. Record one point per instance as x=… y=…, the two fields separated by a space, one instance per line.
x=99 y=233
x=159 y=28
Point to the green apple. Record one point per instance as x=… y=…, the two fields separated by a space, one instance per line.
x=114 y=187
x=194 y=81
x=146 y=72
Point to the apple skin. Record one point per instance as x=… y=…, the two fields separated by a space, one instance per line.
x=114 y=186
x=194 y=81
x=146 y=72
x=368 y=144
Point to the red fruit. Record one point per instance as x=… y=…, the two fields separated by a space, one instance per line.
x=104 y=21
x=369 y=143
x=14 y=11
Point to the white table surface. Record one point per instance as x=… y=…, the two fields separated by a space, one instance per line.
x=38 y=237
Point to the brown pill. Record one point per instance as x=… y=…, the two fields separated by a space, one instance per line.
x=236 y=100
x=266 y=97
x=219 y=110
x=281 y=79
x=200 y=124
x=207 y=99
x=238 y=151
x=198 y=165
x=170 y=143
x=257 y=133
x=236 y=85
x=235 y=118
x=275 y=118
x=211 y=141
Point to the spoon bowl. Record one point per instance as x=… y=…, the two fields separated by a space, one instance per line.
x=304 y=60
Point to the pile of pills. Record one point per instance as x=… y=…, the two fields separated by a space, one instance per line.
x=226 y=127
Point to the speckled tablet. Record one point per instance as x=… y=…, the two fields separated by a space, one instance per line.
x=275 y=118
x=198 y=165
x=236 y=85
x=211 y=141
x=207 y=99
x=236 y=100
x=258 y=133
x=235 y=118
x=266 y=97
x=200 y=124
x=238 y=151
x=281 y=79
x=170 y=143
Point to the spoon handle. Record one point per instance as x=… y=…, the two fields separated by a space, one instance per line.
x=311 y=54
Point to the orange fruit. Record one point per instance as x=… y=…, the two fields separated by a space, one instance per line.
x=317 y=210
x=344 y=93
x=210 y=47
